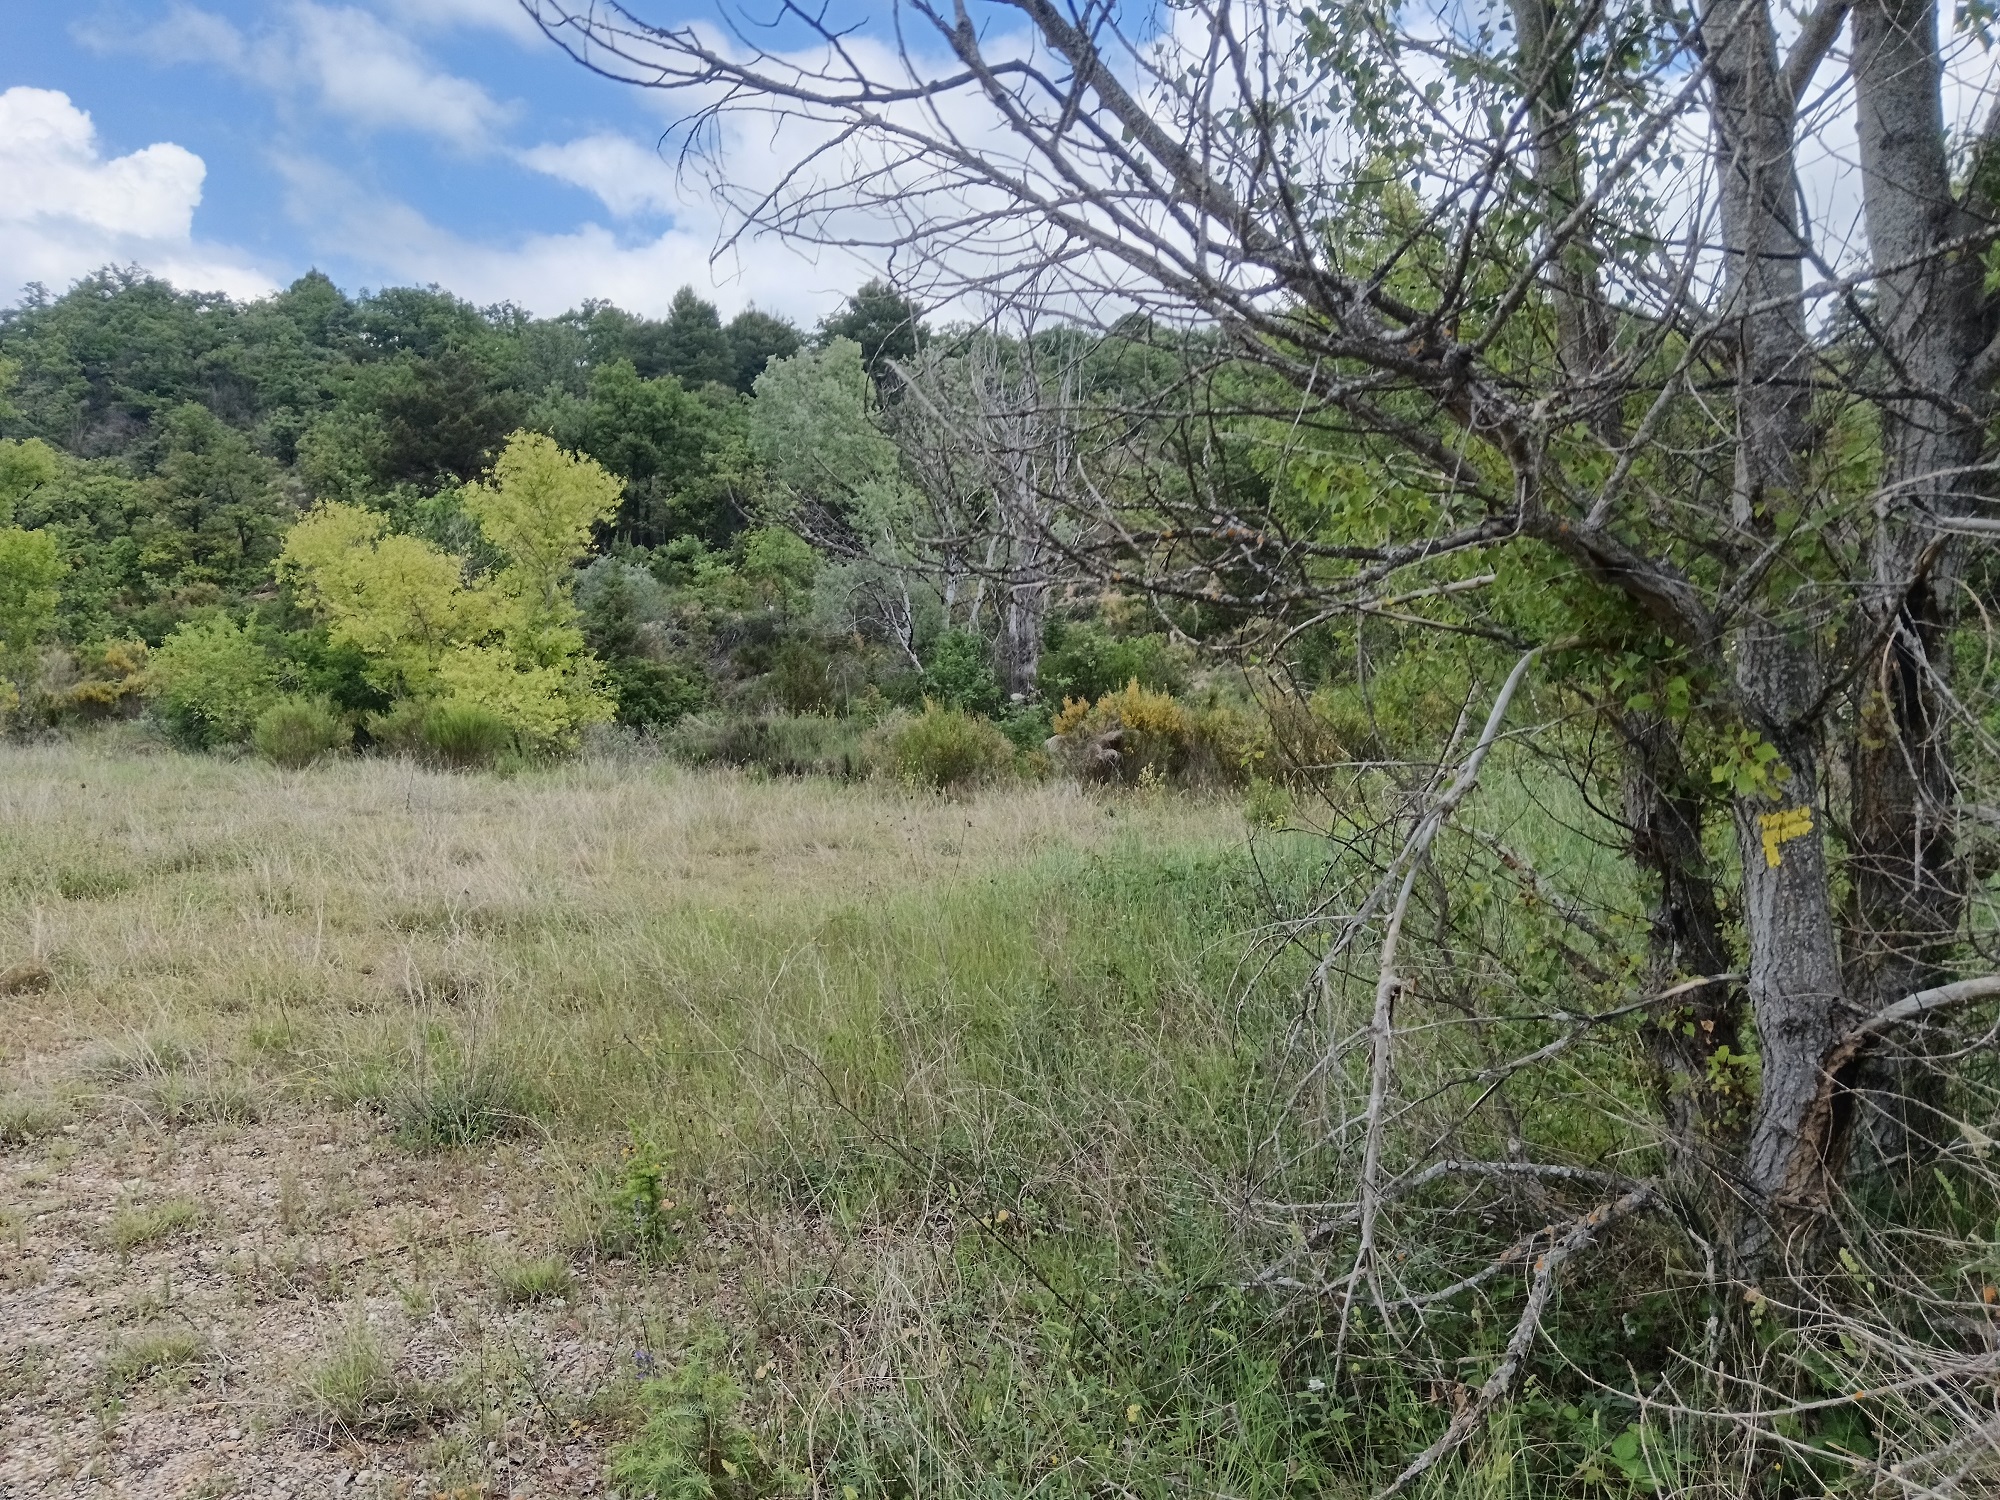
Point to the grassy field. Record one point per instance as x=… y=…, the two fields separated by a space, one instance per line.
x=450 y=1133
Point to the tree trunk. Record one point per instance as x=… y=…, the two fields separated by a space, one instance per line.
x=1695 y=1045
x=1018 y=656
x=1794 y=984
x=1908 y=887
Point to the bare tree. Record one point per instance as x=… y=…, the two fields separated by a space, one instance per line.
x=1574 y=284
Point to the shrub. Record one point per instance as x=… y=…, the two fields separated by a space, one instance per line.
x=782 y=744
x=1084 y=660
x=466 y=736
x=1138 y=733
x=209 y=681
x=295 y=732
x=959 y=673
x=945 y=748
x=694 y=1445
x=654 y=694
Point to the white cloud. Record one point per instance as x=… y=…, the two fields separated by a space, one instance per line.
x=628 y=178
x=550 y=272
x=349 y=61
x=367 y=72
x=68 y=210
x=504 y=16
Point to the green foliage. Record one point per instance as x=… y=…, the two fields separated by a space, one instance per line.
x=295 y=732
x=209 y=682
x=694 y=1444
x=959 y=673
x=522 y=1280
x=507 y=643
x=30 y=565
x=882 y=323
x=1081 y=659
x=945 y=748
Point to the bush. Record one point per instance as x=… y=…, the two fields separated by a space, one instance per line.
x=782 y=744
x=959 y=673
x=1137 y=732
x=943 y=747
x=465 y=736
x=1083 y=660
x=654 y=694
x=295 y=732
x=209 y=681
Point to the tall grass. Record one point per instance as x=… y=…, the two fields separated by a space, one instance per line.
x=991 y=1073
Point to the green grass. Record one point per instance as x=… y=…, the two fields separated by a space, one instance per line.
x=136 y=1228
x=156 y=1353
x=991 y=1084
x=521 y=1279
x=355 y=1389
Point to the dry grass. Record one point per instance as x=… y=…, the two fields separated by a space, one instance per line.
x=373 y=1040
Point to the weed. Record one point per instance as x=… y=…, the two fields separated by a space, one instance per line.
x=520 y=1279
x=133 y=1228
x=148 y=1355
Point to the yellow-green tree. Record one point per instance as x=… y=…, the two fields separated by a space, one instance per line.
x=30 y=567
x=506 y=641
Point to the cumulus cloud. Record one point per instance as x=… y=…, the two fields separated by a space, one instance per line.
x=349 y=61
x=629 y=179
x=550 y=272
x=69 y=210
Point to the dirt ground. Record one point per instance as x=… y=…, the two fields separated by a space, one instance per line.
x=171 y=1300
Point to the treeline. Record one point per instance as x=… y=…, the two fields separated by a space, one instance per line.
x=221 y=513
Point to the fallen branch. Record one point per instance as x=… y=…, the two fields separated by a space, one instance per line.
x=1580 y=1236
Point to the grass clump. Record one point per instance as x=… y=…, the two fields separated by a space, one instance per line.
x=295 y=732
x=134 y=1228
x=357 y=1390
x=463 y=1107
x=26 y=1118
x=694 y=1444
x=161 y=1352
x=946 y=749
x=523 y=1279
x=179 y=1099
x=467 y=737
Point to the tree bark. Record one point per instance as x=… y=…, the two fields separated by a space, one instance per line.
x=1694 y=1045
x=1795 y=987
x=1908 y=887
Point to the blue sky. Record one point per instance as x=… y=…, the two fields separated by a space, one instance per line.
x=232 y=145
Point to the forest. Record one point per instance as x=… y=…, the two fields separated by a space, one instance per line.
x=163 y=449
